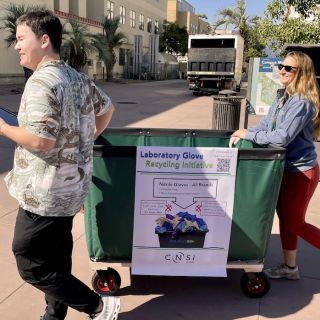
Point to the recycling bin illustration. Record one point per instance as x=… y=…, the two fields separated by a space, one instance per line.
x=183 y=230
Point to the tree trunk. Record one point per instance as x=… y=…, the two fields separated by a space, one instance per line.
x=110 y=73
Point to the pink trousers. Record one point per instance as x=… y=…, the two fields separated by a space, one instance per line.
x=296 y=191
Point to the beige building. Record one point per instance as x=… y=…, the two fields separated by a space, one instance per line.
x=183 y=14
x=141 y=22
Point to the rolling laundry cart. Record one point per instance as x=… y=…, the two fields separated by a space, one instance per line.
x=109 y=207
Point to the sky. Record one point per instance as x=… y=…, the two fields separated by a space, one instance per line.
x=211 y=7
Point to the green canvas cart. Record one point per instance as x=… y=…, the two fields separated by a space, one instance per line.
x=109 y=206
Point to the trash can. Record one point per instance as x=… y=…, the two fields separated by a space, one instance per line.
x=226 y=112
x=109 y=207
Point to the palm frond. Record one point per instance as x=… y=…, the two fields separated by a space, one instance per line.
x=8 y=21
x=220 y=22
x=114 y=38
x=77 y=44
x=100 y=43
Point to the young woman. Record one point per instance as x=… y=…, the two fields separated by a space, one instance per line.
x=293 y=122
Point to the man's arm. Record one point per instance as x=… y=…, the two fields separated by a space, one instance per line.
x=103 y=120
x=22 y=137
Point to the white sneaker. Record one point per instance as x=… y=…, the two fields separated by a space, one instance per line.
x=110 y=309
x=283 y=271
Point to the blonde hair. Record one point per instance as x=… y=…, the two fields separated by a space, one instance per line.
x=305 y=84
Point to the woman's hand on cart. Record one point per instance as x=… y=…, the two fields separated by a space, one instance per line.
x=233 y=141
x=236 y=136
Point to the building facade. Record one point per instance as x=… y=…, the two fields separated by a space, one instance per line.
x=140 y=21
x=184 y=15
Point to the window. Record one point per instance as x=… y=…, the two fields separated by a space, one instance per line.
x=212 y=43
x=156 y=27
x=132 y=19
x=203 y=66
x=220 y=66
x=229 y=66
x=149 y=25
x=122 y=15
x=210 y=66
x=194 y=66
x=193 y=28
x=122 y=56
x=141 y=22
x=110 y=10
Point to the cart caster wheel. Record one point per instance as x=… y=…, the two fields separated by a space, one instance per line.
x=106 y=282
x=255 y=285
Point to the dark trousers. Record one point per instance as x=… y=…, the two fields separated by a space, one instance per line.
x=43 y=247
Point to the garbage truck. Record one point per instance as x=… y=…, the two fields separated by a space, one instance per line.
x=214 y=62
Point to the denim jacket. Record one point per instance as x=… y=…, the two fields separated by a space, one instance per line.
x=289 y=124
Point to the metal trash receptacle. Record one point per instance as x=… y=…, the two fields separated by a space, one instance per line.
x=226 y=112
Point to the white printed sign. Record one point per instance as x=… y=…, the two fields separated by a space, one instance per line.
x=183 y=210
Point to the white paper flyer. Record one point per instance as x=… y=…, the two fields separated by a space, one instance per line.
x=183 y=210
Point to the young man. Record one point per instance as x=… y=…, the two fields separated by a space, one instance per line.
x=61 y=112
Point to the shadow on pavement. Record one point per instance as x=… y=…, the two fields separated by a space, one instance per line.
x=187 y=298
x=137 y=101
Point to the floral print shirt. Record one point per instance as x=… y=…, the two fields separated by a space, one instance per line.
x=60 y=104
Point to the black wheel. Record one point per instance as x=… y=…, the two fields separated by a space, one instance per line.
x=255 y=285
x=106 y=282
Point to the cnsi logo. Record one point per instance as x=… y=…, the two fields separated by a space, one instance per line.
x=180 y=257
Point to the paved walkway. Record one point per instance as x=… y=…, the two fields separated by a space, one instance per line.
x=172 y=298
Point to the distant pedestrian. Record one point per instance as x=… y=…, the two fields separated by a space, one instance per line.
x=293 y=122
x=61 y=112
x=27 y=73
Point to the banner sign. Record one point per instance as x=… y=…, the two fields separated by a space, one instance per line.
x=183 y=210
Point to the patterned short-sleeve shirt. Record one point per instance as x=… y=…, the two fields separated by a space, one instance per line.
x=60 y=104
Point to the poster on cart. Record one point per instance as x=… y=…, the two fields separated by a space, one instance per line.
x=183 y=210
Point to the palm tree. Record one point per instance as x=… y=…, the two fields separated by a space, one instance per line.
x=113 y=39
x=99 y=41
x=237 y=17
x=77 y=44
x=8 y=23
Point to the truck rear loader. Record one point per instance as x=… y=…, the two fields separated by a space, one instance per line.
x=215 y=63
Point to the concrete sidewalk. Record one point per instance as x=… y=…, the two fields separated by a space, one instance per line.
x=172 y=298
